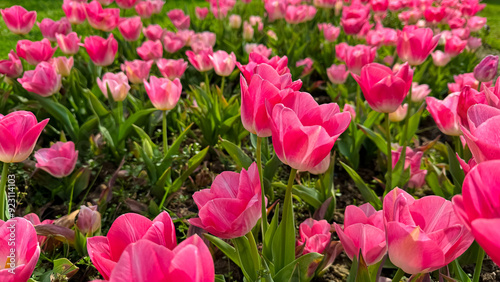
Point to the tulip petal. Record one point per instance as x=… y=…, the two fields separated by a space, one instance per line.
x=127 y=229
x=98 y=249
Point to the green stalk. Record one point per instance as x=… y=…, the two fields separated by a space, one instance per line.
x=3 y=183
x=222 y=85
x=388 y=185
x=479 y=265
x=358 y=101
x=119 y=114
x=164 y=132
x=207 y=83
x=70 y=197
x=399 y=274
x=263 y=218
x=287 y=205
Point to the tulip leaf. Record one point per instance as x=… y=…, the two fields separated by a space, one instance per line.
x=65 y=267
x=143 y=135
x=174 y=148
x=456 y=171
x=271 y=231
x=368 y=194
x=300 y=266
x=220 y=278
x=150 y=167
x=96 y=104
x=248 y=256
x=193 y=163
x=87 y=127
x=227 y=249
x=376 y=138
x=127 y=125
x=237 y=154
x=283 y=244
x=458 y=271
x=308 y=195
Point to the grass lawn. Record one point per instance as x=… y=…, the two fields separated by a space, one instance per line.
x=492 y=12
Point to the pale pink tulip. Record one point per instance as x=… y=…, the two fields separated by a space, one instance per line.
x=137 y=71
x=201 y=60
x=145 y=9
x=179 y=19
x=419 y=92
x=163 y=92
x=153 y=32
x=63 y=65
x=51 y=28
x=172 y=42
x=89 y=220
x=399 y=114
x=223 y=62
x=68 y=44
x=75 y=11
x=201 y=13
x=482 y=132
x=116 y=83
x=172 y=69
x=337 y=74
x=440 y=59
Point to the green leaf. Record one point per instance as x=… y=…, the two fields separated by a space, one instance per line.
x=455 y=169
x=376 y=138
x=249 y=257
x=302 y=265
x=241 y=159
x=150 y=167
x=458 y=271
x=87 y=127
x=96 y=104
x=193 y=163
x=127 y=125
x=283 y=244
x=80 y=179
x=368 y=194
x=143 y=135
x=220 y=278
x=64 y=267
x=308 y=195
x=227 y=249
x=271 y=231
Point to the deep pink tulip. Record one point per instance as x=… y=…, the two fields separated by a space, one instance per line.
x=101 y=51
x=466 y=166
x=116 y=83
x=105 y=252
x=337 y=74
x=479 y=208
x=296 y=14
x=455 y=46
x=276 y=62
x=163 y=92
x=51 y=28
x=12 y=67
x=102 y=19
x=231 y=207
x=315 y=235
x=172 y=69
x=137 y=71
x=18 y=266
x=276 y=9
x=487 y=69
x=415 y=44
x=172 y=42
x=440 y=59
x=35 y=52
x=68 y=44
x=476 y=23
x=63 y=65
x=307 y=63
x=304 y=132
x=75 y=11
x=201 y=13
x=423 y=235
x=355 y=57
x=384 y=90
x=185 y=35
x=445 y=113
x=130 y=28
x=153 y=32
x=471 y=7
x=18 y=20
x=413 y=160
x=354 y=17
x=179 y=19
x=144 y=9
x=419 y=92
x=126 y=4
x=434 y=15
x=462 y=33
x=44 y=80
x=21 y=131
x=456 y=22
x=150 y=50
x=201 y=61
x=157 y=6
x=59 y=160
x=468 y=97
x=462 y=80
x=482 y=133
x=223 y=62
x=363 y=231
x=258 y=48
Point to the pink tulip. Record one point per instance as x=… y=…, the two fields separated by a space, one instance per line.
x=235 y=21
x=363 y=232
x=355 y=57
x=179 y=19
x=51 y=28
x=153 y=32
x=476 y=23
x=276 y=9
x=18 y=20
x=456 y=22
x=462 y=33
x=231 y=207
x=413 y=160
x=434 y=15
x=330 y=32
x=415 y=44
x=150 y=50
x=482 y=132
x=471 y=8
x=172 y=69
x=399 y=114
x=440 y=59
x=35 y=220
x=35 y=52
x=21 y=131
x=279 y=64
x=487 y=69
x=89 y=220
x=493 y=95
x=351 y=109
x=145 y=9
x=248 y=31
x=473 y=43
x=102 y=19
x=163 y=92
x=103 y=2
x=12 y=67
x=208 y=38
x=423 y=235
x=468 y=97
x=63 y=65
x=130 y=28
x=384 y=90
x=44 y=80
x=126 y=4
x=325 y=4
x=68 y=44
x=186 y=35
x=172 y=43
x=337 y=74
x=419 y=92
x=19 y=261
x=354 y=17
x=137 y=71
x=411 y=16
x=478 y=207
x=116 y=83
x=223 y=62
x=201 y=13
x=455 y=46
x=258 y=48
x=201 y=61
x=304 y=132
x=379 y=6
x=105 y=252
x=157 y=6
x=75 y=11
x=462 y=80
x=59 y=160
x=307 y=63
x=101 y=51
x=315 y=235
x=466 y=166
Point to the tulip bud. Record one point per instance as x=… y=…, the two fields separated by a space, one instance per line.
x=235 y=21
x=63 y=65
x=487 y=69
x=399 y=114
x=89 y=220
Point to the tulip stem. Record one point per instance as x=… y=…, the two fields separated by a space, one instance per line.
x=263 y=218
x=287 y=205
x=119 y=114
x=207 y=83
x=399 y=274
x=479 y=265
x=388 y=185
x=164 y=132
x=3 y=183
x=222 y=85
x=70 y=197
x=358 y=101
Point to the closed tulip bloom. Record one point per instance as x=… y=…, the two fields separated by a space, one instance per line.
x=150 y=50
x=434 y=15
x=354 y=17
x=59 y=160
x=223 y=62
x=247 y=31
x=145 y=9
x=201 y=13
x=419 y=92
x=440 y=59
x=423 y=235
x=44 y=80
x=468 y=98
x=330 y=32
x=137 y=71
x=68 y=44
x=21 y=131
x=126 y=4
x=487 y=69
x=473 y=43
x=116 y=83
x=12 y=67
x=74 y=11
x=89 y=220
x=231 y=207
x=102 y=19
x=357 y=56
x=482 y=132
x=105 y=252
x=50 y=28
x=415 y=44
x=304 y=132
x=337 y=74
x=172 y=69
x=179 y=19
x=153 y=32
x=101 y=51
x=26 y=250
x=130 y=28
x=163 y=92
x=18 y=20
x=455 y=46
x=157 y=6
x=315 y=235
x=363 y=232
x=276 y=9
x=172 y=43
x=63 y=65
x=235 y=21
x=201 y=60
x=445 y=113
x=399 y=114
x=478 y=207
x=476 y=23
x=384 y=90
x=413 y=160
x=35 y=52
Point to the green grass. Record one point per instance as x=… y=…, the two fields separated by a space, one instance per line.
x=492 y=12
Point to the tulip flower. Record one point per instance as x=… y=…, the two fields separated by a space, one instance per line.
x=172 y=43
x=68 y=44
x=126 y=4
x=103 y=2
x=330 y=32
x=473 y=43
x=35 y=220
x=163 y=92
x=419 y=92
x=258 y=48
x=478 y=207
x=476 y=23
x=481 y=134
x=185 y=35
x=363 y=232
x=89 y=220
x=116 y=83
x=75 y=11
x=50 y=28
x=145 y=9
x=440 y=59
x=351 y=109
x=315 y=235
x=445 y=113
x=399 y=114
x=208 y=38
x=44 y=80
x=487 y=69
x=102 y=19
x=384 y=90
x=462 y=80
x=415 y=44
x=454 y=46
x=276 y=9
x=239 y=193
x=172 y=69
x=223 y=63
x=59 y=160
x=201 y=61
x=493 y=95
x=434 y=15
x=157 y=6
x=279 y=64
x=130 y=28
x=105 y=252
x=12 y=67
x=468 y=97
x=356 y=57
x=337 y=74
x=423 y=235
x=35 y=52
x=63 y=65
x=101 y=51
x=235 y=21
x=247 y=31
x=150 y=50
x=18 y=20
x=19 y=260
x=137 y=71
x=304 y=132
x=179 y=19
x=354 y=17
x=153 y=32
x=413 y=160
x=201 y=13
